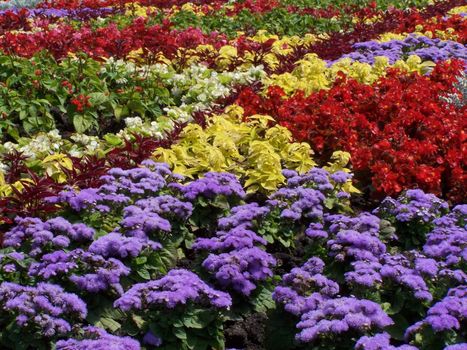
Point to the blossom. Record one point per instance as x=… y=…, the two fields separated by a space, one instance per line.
x=178 y=287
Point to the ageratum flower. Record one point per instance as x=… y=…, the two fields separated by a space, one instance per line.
x=446 y=315
x=243 y=215
x=413 y=206
x=120 y=188
x=114 y=245
x=363 y=223
x=299 y=203
x=89 y=272
x=353 y=245
x=309 y=278
x=294 y=303
x=462 y=346
x=34 y=236
x=447 y=242
x=236 y=238
x=380 y=341
x=141 y=223
x=211 y=185
x=95 y=338
x=337 y=316
x=303 y=288
x=45 y=308
x=178 y=287
x=316 y=178
x=422 y=46
x=166 y=206
x=239 y=269
x=411 y=270
x=151 y=339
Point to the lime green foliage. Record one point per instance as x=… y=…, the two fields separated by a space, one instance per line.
x=250 y=149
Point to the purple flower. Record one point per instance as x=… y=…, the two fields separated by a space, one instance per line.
x=236 y=238
x=243 y=215
x=380 y=341
x=462 y=346
x=178 y=287
x=340 y=177
x=340 y=315
x=166 y=206
x=412 y=206
x=35 y=236
x=211 y=185
x=120 y=188
x=300 y=203
x=303 y=288
x=142 y=223
x=356 y=246
x=150 y=339
x=428 y=49
x=445 y=315
x=98 y=339
x=45 y=308
x=240 y=268
x=114 y=245
x=89 y=272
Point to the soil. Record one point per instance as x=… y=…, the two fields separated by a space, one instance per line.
x=248 y=334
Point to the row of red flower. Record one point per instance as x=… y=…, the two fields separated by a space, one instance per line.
x=400 y=133
x=154 y=39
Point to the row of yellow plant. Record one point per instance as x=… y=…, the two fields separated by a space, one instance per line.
x=250 y=149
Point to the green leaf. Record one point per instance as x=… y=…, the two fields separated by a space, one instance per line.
x=180 y=333
x=113 y=140
x=262 y=300
x=140 y=260
x=108 y=323
x=144 y=274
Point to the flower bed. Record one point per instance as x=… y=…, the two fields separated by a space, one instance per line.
x=253 y=174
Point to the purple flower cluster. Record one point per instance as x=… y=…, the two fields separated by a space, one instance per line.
x=337 y=316
x=166 y=206
x=396 y=269
x=79 y=13
x=380 y=341
x=448 y=240
x=309 y=278
x=120 y=187
x=148 y=216
x=241 y=263
x=34 y=236
x=462 y=346
x=316 y=178
x=363 y=223
x=448 y=314
x=138 y=222
x=243 y=216
x=211 y=185
x=240 y=268
x=235 y=239
x=178 y=287
x=114 y=245
x=98 y=339
x=9 y=261
x=152 y=339
x=89 y=272
x=299 y=203
x=46 y=307
x=353 y=245
x=428 y=49
x=413 y=206
x=303 y=288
